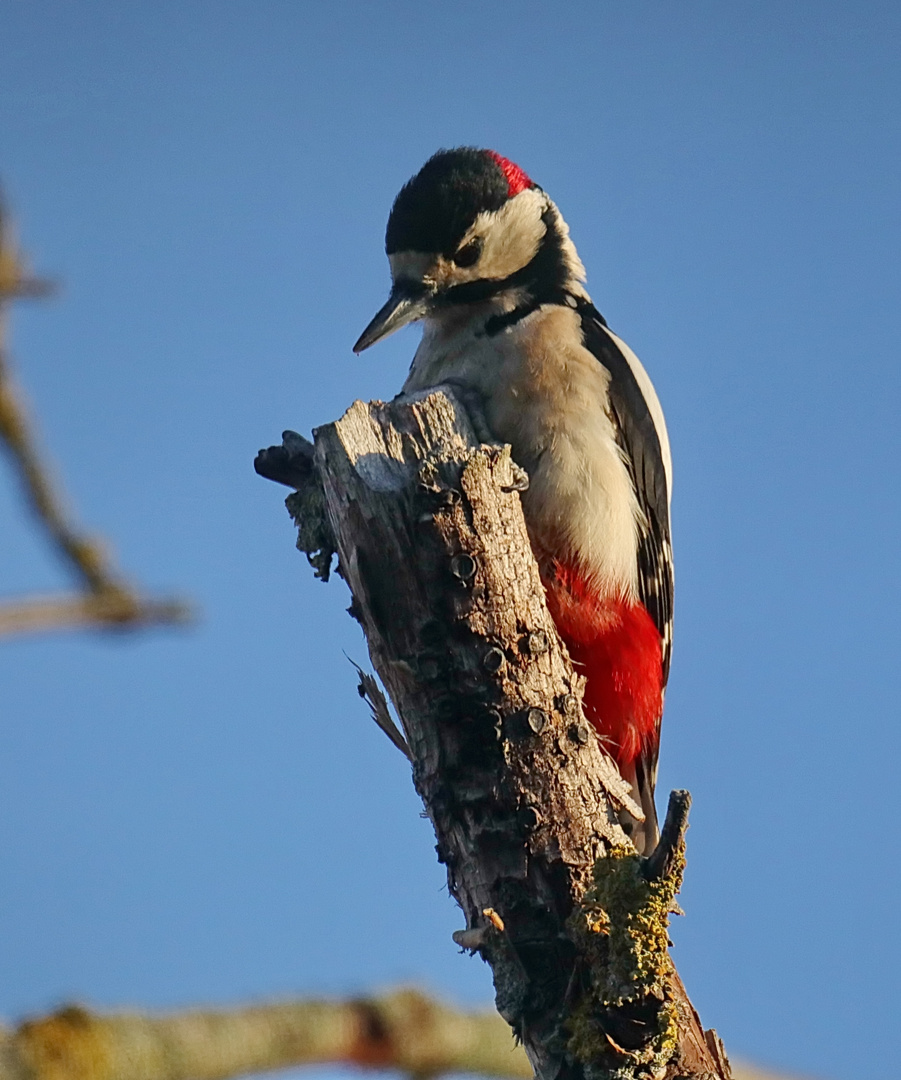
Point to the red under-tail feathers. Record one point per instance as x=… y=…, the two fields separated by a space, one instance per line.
x=616 y=646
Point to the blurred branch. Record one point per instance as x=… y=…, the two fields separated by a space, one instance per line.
x=110 y=608
x=107 y=599
x=403 y=1031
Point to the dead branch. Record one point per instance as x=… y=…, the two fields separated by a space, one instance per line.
x=430 y=537
x=109 y=609
x=107 y=599
x=403 y=1032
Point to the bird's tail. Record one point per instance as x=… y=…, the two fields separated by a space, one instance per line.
x=641 y=775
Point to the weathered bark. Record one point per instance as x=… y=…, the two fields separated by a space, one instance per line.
x=430 y=537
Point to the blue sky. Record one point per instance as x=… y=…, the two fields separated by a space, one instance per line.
x=209 y=815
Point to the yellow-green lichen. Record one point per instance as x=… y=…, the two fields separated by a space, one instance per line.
x=625 y=1017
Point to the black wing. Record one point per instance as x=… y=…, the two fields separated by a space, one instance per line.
x=640 y=442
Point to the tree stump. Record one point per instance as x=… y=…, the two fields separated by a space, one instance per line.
x=430 y=537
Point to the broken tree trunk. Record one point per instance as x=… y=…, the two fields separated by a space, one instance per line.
x=430 y=537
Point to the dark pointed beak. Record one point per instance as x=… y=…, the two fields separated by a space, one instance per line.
x=409 y=301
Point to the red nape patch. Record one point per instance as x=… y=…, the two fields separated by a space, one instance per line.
x=517 y=180
x=616 y=646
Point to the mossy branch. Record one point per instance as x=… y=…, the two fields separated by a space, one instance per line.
x=404 y=1032
x=626 y=1012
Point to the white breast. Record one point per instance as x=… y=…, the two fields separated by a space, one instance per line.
x=546 y=395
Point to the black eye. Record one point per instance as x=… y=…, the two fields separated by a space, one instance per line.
x=469 y=255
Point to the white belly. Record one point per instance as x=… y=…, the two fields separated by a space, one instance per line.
x=546 y=395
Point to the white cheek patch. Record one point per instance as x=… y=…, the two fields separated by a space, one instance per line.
x=510 y=239
x=510 y=236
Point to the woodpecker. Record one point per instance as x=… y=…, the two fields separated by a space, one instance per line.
x=481 y=255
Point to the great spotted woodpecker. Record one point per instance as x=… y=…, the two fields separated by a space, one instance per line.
x=482 y=256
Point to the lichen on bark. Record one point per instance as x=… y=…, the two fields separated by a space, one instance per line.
x=625 y=1018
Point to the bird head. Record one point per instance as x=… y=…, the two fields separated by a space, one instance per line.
x=470 y=227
